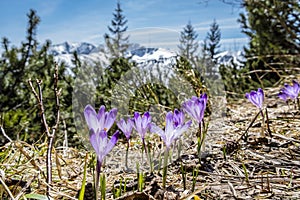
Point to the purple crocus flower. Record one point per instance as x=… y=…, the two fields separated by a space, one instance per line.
x=101 y=121
x=101 y=144
x=257 y=98
x=141 y=123
x=178 y=117
x=98 y=125
x=126 y=128
x=195 y=107
x=290 y=91
x=102 y=147
x=173 y=129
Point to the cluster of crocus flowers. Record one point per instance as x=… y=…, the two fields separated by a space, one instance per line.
x=99 y=124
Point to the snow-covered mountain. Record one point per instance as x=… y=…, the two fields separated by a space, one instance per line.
x=89 y=53
x=69 y=48
x=229 y=57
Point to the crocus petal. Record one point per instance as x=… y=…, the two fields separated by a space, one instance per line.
x=126 y=128
x=189 y=107
x=256 y=98
x=183 y=128
x=146 y=120
x=293 y=91
x=94 y=139
x=157 y=130
x=194 y=98
x=172 y=131
x=137 y=122
x=204 y=97
x=99 y=142
x=176 y=133
x=178 y=117
x=112 y=142
x=169 y=123
x=195 y=107
x=290 y=91
x=296 y=86
x=283 y=96
x=261 y=97
x=101 y=117
x=122 y=125
x=200 y=104
x=141 y=124
x=91 y=118
x=110 y=118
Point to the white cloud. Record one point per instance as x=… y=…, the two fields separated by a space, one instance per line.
x=155 y=37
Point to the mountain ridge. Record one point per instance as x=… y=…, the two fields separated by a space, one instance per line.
x=90 y=53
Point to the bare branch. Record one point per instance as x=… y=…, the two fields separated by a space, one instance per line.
x=39 y=98
x=57 y=94
x=51 y=136
x=7 y=189
x=4 y=134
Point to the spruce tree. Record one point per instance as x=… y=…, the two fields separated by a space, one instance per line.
x=212 y=40
x=188 y=42
x=116 y=42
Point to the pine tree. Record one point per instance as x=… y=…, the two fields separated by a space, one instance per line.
x=117 y=42
x=274 y=31
x=212 y=40
x=188 y=42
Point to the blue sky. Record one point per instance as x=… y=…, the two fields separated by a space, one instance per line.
x=153 y=23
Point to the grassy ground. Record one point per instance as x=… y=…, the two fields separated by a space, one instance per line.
x=250 y=168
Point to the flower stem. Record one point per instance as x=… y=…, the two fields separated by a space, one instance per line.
x=183 y=174
x=126 y=156
x=268 y=124
x=199 y=148
x=103 y=186
x=145 y=147
x=150 y=158
x=179 y=148
x=98 y=172
x=200 y=139
x=165 y=167
x=263 y=124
